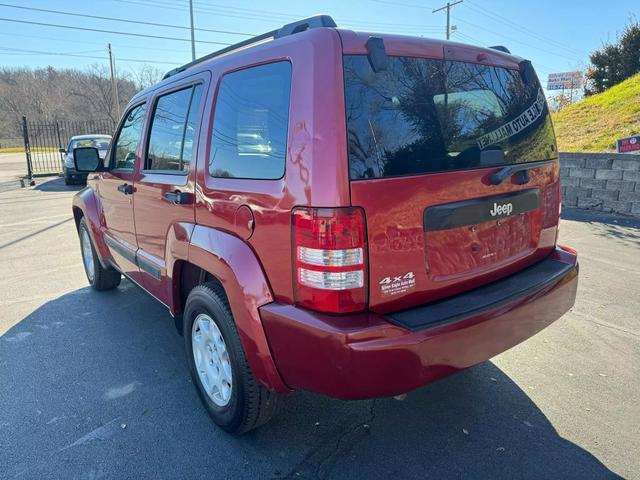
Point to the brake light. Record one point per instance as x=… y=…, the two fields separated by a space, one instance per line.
x=551 y=204
x=329 y=259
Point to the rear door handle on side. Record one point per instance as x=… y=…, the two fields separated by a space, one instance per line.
x=125 y=188
x=177 y=197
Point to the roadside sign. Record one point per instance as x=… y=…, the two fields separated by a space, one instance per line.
x=564 y=80
x=629 y=144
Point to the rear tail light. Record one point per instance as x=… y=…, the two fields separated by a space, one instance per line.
x=551 y=204
x=329 y=259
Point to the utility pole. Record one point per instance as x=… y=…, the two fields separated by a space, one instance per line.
x=447 y=7
x=193 y=36
x=114 y=82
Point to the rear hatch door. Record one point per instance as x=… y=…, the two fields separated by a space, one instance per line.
x=426 y=140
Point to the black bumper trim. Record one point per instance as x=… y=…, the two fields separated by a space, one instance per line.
x=474 y=302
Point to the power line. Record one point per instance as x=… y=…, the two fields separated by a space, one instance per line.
x=516 y=26
x=31 y=51
x=70 y=54
x=262 y=15
x=114 y=32
x=469 y=38
x=125 y=20
x=66 y=40
x=495 y=17
x=401 y=4
x=528 y=44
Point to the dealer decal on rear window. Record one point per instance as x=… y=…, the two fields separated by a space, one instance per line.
x=509 y=129
x=397 y=284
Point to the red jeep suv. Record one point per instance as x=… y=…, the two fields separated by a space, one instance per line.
x=346 y=213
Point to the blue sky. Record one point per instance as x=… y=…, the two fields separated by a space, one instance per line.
x=556 y=35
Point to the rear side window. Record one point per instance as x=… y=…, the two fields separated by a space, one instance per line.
x=126 y=145
x=249 y=136
x=424 y=115
x=172 y=130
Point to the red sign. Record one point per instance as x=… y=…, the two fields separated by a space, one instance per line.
x=629 y=144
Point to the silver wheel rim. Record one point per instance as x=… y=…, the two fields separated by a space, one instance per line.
x=211 y=359
x=87 y=254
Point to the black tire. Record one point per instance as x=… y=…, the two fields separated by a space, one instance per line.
x=103 y=278
x=251 y=404
x=68 y=181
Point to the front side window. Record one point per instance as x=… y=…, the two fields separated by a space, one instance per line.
x=249 y=136
x=172 y=130
x=128 y=140
x=424 y=115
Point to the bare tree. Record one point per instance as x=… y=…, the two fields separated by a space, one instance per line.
x=146 y=76
x=48 y=94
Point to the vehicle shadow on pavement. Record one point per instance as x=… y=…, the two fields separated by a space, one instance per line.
x=626 y=229
x=96 y=384
x=56 y=185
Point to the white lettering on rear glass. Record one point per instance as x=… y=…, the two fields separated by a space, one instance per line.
x=523 y=120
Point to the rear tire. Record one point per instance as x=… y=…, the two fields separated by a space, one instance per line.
x=238 y=405
x=67 y=181
x=99 y=277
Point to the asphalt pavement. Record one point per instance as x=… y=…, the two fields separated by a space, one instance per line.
x=95 y=385
x=12 y=166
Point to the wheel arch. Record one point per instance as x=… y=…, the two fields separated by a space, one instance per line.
x=84 y=205
x=216 y=256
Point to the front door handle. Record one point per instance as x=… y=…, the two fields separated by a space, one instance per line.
x=177 y=197
x=125 y=188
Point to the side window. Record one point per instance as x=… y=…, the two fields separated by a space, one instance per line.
x=126 y=144
x=172 y=130
x=249 y=137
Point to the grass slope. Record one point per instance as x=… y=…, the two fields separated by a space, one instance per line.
x=594 y=124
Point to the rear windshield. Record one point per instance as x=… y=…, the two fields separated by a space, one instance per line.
x=423 y=116
x=99 y=143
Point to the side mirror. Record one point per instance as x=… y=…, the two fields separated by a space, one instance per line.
x=62 y=150
x=87 y=159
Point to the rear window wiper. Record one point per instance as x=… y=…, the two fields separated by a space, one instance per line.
x=522 y=168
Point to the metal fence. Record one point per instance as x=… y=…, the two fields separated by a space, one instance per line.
x=43 y=141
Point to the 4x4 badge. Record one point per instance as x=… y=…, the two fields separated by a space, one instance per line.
x=397 y=284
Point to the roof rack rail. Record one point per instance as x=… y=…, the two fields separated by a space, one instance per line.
x=500 y=48
x=317 y=21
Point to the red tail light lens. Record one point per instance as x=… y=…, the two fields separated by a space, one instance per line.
x=551 y=205
x=329 y=259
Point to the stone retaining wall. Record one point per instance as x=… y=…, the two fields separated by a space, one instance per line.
x=606 y=182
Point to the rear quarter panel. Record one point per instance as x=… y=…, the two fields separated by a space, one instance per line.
x=316 y=171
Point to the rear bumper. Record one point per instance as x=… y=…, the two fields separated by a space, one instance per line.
x=365 y=355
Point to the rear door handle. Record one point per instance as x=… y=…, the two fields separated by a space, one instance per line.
x=177 y=197
x=125 y=188
x=506 y=172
